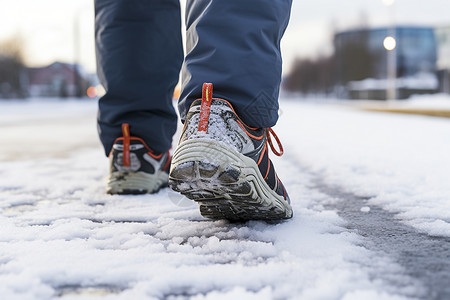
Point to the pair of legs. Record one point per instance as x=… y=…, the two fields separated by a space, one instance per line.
x=222 y=159
x=233 y=43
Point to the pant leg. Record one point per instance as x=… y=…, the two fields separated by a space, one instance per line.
x=235 y=45
x=139 y=55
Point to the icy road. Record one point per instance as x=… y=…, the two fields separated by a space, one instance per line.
x=370 y=192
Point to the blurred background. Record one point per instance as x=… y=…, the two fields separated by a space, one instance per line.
x=347 y=49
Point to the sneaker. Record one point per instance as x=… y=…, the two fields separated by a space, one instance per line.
x=135 y=168
x=224 y=165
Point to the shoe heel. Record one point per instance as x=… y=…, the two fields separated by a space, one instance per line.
x=204 y=159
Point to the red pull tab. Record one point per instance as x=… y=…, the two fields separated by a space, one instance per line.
x=126 y=144
x=205 y=107
x=269 y=139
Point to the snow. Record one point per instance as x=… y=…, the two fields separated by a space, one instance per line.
x=418 y=103
x=436 y=101
x=365 y=209
x=62 y=237
x=401 y=162
x=57 y=127
x=426 y=81
x=59 y=229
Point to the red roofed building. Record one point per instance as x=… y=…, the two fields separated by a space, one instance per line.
x=56 y=80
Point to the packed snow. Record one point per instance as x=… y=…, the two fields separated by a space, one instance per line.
x=62 y=237
x=426 y=81
x=437 y=101
x=402 y=162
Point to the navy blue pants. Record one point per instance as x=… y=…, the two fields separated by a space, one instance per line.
x=235 y=44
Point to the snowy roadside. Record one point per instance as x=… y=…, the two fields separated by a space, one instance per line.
x=431 y=105
x=401 y=162
x=44 y=128
x=62 y=237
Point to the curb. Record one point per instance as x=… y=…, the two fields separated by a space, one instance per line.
x=443 y=113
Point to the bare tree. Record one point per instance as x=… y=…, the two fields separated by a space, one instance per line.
x=11 y=68
x=312 y=76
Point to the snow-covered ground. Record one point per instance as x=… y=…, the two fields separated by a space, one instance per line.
x=402 y=162
x=434 y=105
x=62 y=237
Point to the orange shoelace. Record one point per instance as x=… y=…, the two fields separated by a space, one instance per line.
x=269 y=140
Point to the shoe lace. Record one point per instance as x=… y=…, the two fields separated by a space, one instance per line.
x=270 y=133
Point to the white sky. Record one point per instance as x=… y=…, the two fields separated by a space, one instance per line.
x=47 y=26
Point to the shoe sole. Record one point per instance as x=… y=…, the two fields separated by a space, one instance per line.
x=226 y=184
x=136 y=183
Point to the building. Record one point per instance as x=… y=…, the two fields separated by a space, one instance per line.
x=362 y=62
x=13 y=78
x=56 y=80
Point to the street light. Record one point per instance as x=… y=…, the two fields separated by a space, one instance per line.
x=76 y=50
x=390 y=44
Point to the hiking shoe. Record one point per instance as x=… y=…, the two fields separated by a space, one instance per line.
x=224 y=165
x=135 y=168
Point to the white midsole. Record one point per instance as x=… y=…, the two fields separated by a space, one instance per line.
x=215 y=153
x=119 y=181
